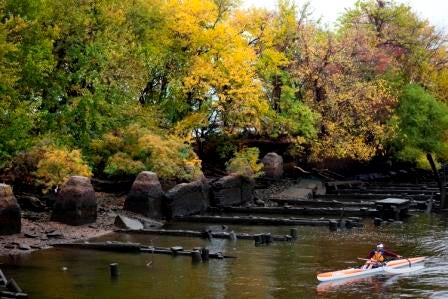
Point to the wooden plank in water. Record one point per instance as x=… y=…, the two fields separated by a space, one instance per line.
x=250 y=220
x=118 y=247
x=288 y=210
x=199 y=234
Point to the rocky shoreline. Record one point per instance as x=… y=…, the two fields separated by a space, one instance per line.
x=39 y=232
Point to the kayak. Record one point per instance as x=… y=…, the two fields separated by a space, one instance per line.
x=356 y=272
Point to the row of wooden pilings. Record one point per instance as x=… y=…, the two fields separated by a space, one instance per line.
x=197 y=255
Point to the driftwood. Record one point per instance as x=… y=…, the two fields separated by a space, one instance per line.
x=199 y=234
x=136 y=247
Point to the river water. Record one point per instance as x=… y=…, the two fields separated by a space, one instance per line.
x=280 y=270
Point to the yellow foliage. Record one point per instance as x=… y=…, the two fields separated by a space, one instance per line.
x=134 y=149
x=57 y=165
x=246 y=163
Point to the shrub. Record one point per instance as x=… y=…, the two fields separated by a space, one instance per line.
x=57 y=165
x=245 y=162
x=134 y=149
x=121 y=164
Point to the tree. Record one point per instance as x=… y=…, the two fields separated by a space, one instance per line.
x=422 y=131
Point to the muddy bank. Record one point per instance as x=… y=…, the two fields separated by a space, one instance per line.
x=38 y=232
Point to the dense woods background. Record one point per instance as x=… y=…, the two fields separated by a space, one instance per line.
x=111 y=88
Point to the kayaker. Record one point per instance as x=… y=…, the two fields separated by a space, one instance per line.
x=377 y=255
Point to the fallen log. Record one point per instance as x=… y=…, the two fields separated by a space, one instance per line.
x=136 y=247
x=199 y=234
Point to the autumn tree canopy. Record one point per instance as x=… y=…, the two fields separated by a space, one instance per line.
x=133 y=85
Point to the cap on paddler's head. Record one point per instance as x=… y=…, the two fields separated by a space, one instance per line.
x=380 y=246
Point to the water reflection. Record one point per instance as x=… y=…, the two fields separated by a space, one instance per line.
x=281 y=270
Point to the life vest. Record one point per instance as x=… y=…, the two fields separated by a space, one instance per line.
x=378 y=256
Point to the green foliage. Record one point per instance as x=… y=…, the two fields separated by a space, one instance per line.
x=133 y=149
x=422 y=126
x=246 y=162
x=192 y=70
x=121 y=165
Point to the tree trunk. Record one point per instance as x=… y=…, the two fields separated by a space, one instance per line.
x=438 y=179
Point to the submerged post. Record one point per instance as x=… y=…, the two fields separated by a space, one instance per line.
x=293 y=233
x=196 y=256
x=258 y=239
x=205 y=254
x=268 y=238
x=114 y=271
x=333 y=225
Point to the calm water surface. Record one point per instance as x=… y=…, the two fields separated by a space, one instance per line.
x=281 y=270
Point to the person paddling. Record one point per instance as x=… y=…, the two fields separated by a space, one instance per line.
x=377 y=255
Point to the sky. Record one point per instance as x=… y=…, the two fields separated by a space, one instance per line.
x=329 y=10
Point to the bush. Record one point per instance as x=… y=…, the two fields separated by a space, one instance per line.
x=121 y=164
x=57 y=165
x=245 y=162
x=134 y=149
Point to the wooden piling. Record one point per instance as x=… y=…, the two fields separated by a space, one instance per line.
x=333 y=225
x=258 y=239
x=267 y=238
x=293 y=233
x=114 y=271
x=205 y=254
x=377 y=221
x=196 y=256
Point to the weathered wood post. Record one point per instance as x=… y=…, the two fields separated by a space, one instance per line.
x=258 y=239
x=196 y=256
x=268 y=238
x=114 y=271
x=377 y=221
x=349 y=224
x=205 y=254
x=232 y=236
x=333 y=225
x=293 y=233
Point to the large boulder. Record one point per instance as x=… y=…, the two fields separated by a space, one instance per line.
x=188 y=199
x=10 y=219
x=232 y=190
x=76 y=202
x=145 y=196
x=273 y=165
